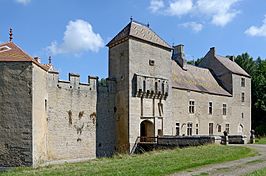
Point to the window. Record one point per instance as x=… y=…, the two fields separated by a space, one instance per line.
x=242 y=115
x=144 y=86
x=156 y=87
x=224 y=109
x=210 y=128
x=160 y=132
x=191 y=108
x=243 y=84
x=45 y=105
x=177 y=129
x=210 y=108
x=197 y=129
x=189 y=129
x=219 y=128
x=227 y=128
x=151 y=62
x=242 y=97
x=162 y=88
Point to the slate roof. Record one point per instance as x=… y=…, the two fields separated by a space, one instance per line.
x=10 y=52
x=140 y=31
x=196 y=79
x=231 y=66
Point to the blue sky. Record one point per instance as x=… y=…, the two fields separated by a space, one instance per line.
x=75 y=32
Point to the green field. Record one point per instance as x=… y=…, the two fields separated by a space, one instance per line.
x=261 y=172
x=152 y=163
x=261 y=140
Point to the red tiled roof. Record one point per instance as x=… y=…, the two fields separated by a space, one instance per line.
x=10 y=52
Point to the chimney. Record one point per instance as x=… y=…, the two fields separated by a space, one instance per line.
x=179 y=56
x=232 y=58
x=37 y=59
x=212 y=51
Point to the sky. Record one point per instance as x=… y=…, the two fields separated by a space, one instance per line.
x=75 y=32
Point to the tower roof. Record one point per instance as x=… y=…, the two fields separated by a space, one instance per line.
x=10 y=52
x=140 y=31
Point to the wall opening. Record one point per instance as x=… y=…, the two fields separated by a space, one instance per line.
x=147 y=131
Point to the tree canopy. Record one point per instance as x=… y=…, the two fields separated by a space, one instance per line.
x=257 y=70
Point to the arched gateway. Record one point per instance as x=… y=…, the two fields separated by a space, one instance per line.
x=147 y=131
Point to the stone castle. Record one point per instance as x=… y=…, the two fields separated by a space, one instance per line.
x=150 y=91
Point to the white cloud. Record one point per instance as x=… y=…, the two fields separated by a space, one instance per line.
x=78 y=37
x=155 y=5
x=24 y=2
x=180 y=7
x=193 y=25
x=257 y=31
x=219 y=12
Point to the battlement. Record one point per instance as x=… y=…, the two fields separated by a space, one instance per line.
x=108 y=86
x=72 y=83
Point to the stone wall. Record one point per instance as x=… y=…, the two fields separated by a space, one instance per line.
x=203 y=118
x=201 y=115
x=154 y=63
x=39 y=115
x=118 y=71
x=71 y=118
x=241 y=111
x=105 y=129
x=16 y=113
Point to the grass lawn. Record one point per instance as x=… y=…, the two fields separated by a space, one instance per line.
x=151 y=163
x=261 y=140
x=261 y=172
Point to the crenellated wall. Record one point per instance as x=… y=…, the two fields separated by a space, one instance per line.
x=71 y=118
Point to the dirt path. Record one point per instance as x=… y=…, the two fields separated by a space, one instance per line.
x=232 y=168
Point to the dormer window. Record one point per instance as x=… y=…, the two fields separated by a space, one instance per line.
x=4 y=48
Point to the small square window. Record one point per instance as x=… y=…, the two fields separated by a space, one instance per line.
x=151 y=62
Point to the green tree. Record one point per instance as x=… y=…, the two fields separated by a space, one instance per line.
x=257 y=71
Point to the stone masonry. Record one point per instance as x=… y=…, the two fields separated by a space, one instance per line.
x=150 y=91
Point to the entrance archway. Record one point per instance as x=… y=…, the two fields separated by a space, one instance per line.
x=146 y=131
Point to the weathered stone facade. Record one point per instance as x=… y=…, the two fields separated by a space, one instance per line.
x=150 y=91
x=44 y=119
x=159 y=94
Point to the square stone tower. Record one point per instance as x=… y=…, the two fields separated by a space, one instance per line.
x=140 y=62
